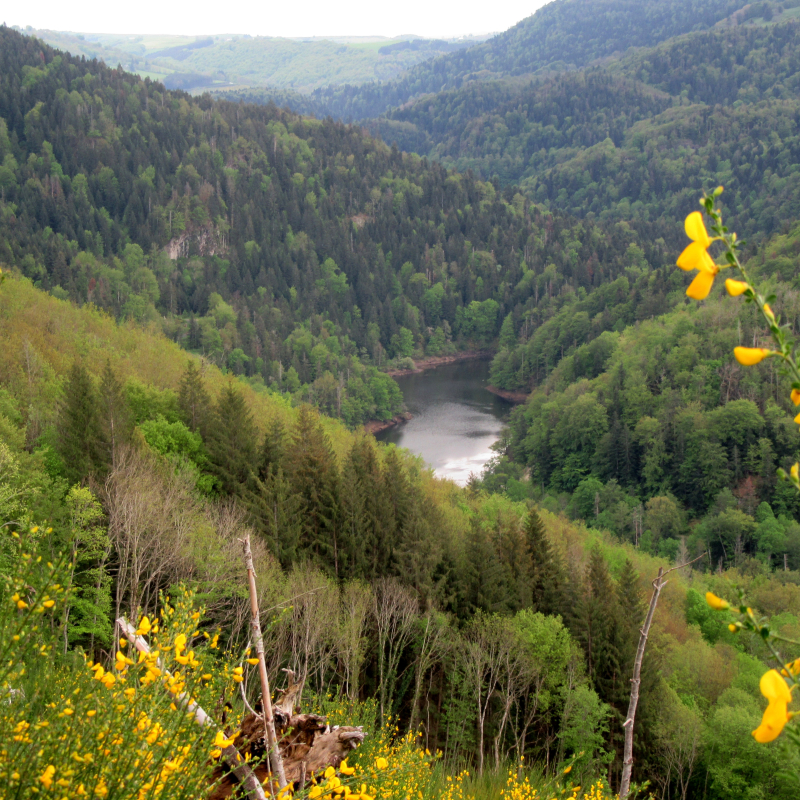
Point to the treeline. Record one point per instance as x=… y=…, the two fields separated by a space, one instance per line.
x=638 y=138
x=381 y=604
x=245 y=229
x=563 y=35
x=496 y=629
x=643 y=430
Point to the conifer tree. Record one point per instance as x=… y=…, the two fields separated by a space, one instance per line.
x=632 y=613
x=78 y=426
x=398 y=491
x=485 y=577
x=595 y=624
x=193 y=401
x=116 y=425
x=276 y=511
x=273 y=448
x=355 y=521
x=546 y=574
x=312 y=471
x=418 y=550
x=512 y=550
x=232 y=441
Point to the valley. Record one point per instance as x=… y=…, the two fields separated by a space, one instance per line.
x=228 y=260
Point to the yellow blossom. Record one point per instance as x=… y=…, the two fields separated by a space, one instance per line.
x=345 y=770
x=749 y=356
x=144 y=627
x=696 y=256
x=735 y=288
x=47 y=776
x=221 y=741
x=381 y=763
x=717 y=603
x=774 y=688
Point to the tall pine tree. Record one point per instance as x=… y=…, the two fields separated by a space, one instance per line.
x=232 y=442
x=546 y=574
x=78 y=426
x=193 y=401
x=116 y=423
x=314 y=476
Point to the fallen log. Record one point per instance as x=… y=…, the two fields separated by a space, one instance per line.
x=244 y=775
x=301 y=761
x=306 y=744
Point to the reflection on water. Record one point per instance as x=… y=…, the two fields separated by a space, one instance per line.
x=456 y=419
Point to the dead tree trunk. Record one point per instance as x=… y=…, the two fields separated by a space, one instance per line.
x=627 y=758
x=250 y=783
x=275 y=760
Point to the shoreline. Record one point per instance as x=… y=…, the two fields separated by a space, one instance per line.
x=517 y=398
x=439 y=361
x=374 y=426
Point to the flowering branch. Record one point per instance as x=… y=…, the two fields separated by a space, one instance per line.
x=696 y=256
x=248 y=780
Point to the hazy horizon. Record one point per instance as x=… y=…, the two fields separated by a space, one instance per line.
x=314 y=19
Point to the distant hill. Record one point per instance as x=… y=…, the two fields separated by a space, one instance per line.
x=302 y=254
x=188 y=62
x=638 y=138
x=564 y=34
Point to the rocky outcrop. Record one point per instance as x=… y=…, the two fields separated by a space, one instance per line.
x=208 y=241
x=438 y=361
x=507 y=394
x=376 y=425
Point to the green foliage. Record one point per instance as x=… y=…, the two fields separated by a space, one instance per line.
x=87 y=615
x=562 y=35
x=328 y=255
x=79 y=425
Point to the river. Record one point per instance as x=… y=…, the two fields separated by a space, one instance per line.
x=456 y=418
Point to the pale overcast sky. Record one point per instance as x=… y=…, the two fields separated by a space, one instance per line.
x=298 y=18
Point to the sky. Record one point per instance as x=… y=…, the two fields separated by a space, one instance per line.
x=290 y=19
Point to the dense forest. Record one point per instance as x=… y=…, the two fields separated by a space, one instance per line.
x=191 y=62
x=198 y=302
x=148 y=469
x=299 y=253
x=565 y=34
x=638 y=138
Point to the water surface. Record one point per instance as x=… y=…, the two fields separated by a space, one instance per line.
x=456 y=418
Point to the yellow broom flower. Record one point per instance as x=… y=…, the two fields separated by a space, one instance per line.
x=717 y=603
x=696 y=256
x=735 y=288
x=774 y=688
x=749 y=356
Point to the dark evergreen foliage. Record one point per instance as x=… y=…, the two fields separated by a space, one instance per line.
x=232 y=441
x=79 y=435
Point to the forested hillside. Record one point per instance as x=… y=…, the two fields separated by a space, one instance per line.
x=149 y=470
x=184 y=280
x=564 y=34
x=300 y=253
x=192 y=62
x=638 y=138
